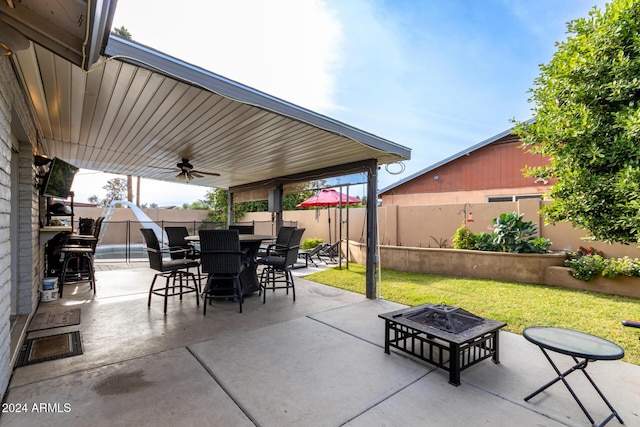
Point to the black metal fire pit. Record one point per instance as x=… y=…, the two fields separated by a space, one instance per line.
x=449 y=337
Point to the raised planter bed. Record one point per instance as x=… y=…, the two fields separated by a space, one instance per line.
x=622 y=285
x=541 y=269
x=522 y=268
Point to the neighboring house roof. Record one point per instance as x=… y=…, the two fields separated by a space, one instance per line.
x=451 y=158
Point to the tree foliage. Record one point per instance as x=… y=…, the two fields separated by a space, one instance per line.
x=122 y=32
x=116 y=190
x=587 y=120
x=217 y=200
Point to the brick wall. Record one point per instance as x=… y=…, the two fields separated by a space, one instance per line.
x=14 y=112
x=5 y=194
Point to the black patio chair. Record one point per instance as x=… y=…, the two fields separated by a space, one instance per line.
x=280 y=245
x=222 y=262
x=276 y=272
x=330 y=251
x=179 y=247
x=308 y=254
x=243 y=228
x=631 y=324
x=77 y=255
x=175 y=271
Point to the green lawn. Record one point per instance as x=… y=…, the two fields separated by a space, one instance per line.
x=517 y=304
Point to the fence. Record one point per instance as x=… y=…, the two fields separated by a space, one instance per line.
x=122 y=240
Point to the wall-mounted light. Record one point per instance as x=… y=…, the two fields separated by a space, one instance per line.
x=436 y=177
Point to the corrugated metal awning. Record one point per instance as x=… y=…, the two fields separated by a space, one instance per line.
x=139 y=112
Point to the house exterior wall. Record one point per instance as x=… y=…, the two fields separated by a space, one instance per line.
x=493 y=170
x=5 y=194
x=14 y=114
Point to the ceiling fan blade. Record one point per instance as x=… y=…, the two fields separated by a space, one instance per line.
x=196 y=174
x=206 y=173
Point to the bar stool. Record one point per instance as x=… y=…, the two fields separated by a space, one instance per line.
x=79 y=254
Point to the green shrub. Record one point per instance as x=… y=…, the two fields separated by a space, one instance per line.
x=540 y=245
x=484 y=242
x=587 y=267
x=311 y=243
x=463 y=238
x=512 y=234
x=589 y=263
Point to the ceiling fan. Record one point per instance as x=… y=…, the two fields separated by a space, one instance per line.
x=187 y=173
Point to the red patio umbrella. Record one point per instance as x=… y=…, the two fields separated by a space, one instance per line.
x=328 y=197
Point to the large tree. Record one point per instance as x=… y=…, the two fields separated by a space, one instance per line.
x=116 y=190
x=587 y=120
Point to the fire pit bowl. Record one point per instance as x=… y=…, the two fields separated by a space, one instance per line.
x=446 y=318
x=446 y=336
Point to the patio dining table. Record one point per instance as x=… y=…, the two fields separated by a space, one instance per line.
x=249 y=243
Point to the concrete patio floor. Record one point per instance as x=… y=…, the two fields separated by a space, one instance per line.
x=318 y=361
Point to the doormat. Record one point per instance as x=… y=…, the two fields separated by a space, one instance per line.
x=36 y=350
x=54 y=320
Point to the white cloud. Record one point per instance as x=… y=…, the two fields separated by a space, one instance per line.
x=286 y=48
x=89 y=183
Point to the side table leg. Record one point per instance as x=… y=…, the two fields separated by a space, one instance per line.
x=614 y=413
x=561 y=377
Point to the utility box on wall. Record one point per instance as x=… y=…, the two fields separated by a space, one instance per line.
x=275 y=200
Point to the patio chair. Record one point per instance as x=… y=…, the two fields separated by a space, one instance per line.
x=86 y=226
x=276 y=273
x=280 y=245
x=90 y=239
x=243 y=228
x=222 y=262
x=179 y=247
x=308 y=254
x=631 y=324
x=77 y=255
x=175 y=271
x=331 y=251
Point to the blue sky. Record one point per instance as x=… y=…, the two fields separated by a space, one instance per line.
x=436 y=76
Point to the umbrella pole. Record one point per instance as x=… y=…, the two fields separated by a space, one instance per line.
x=329 y=220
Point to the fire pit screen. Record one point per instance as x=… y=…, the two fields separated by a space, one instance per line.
x=446 y=318
x=448 y=337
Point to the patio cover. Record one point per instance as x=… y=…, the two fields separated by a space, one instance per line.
x=139 y=112
x=133 y=110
